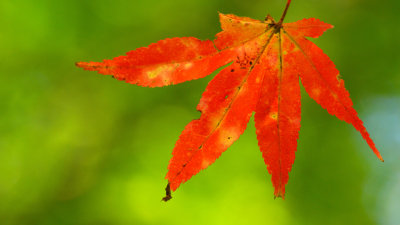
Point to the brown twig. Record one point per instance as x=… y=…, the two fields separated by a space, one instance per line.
x=279 y=24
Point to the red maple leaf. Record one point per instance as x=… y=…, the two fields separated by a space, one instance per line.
x=267 y=58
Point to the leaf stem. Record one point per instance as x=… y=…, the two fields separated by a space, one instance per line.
x=279 y=24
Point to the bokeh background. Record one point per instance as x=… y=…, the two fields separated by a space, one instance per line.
x=80 y=148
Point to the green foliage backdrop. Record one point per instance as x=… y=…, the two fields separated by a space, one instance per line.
x=80 y=148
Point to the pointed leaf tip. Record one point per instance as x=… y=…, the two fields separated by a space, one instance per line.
x=168 y=195
x=310 y=27
x=80 y=64
x=280 y=194
x=92 y=66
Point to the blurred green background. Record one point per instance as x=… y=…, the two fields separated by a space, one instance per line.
x=80 y=148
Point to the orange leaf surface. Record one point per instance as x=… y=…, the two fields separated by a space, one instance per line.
x=267 y=60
